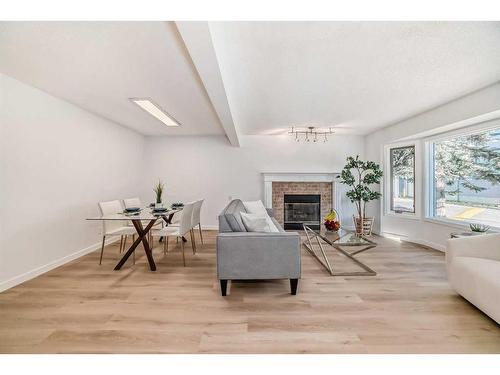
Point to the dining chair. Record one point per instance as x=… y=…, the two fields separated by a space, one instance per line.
x=180 y=231
x=196 y=217
x=136 y=202
x=114 y=227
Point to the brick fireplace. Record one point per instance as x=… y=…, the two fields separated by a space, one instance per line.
x=277 y=185
x=280 y=189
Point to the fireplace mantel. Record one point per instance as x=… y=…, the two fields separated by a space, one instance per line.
x=269 y=178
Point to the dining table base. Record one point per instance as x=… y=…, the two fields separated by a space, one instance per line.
x=141 y=237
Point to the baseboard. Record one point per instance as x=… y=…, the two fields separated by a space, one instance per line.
x=417 y=241
x=209 y=227
x=430 y=244
x=16 y=280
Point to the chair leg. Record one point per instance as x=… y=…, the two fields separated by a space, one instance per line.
x=121 y=244
x=293 y=286
x=165 y=247
x=183 y=256
x=102 y=249
x=166 y=243
x=223 y=287
x=193 y=243
x=201 y=233
x=124 y=243
x=133 y=257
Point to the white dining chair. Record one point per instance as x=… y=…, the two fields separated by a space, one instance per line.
x=178 y=232
x=196 y=217
x=132 y=202
x=114 y=227
x=136 y=202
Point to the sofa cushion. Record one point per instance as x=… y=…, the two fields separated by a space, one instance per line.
x=230 y=218
x=235 y=222
x=257 y=207
x=478 y=280
x=277 y=225
x=255 y=222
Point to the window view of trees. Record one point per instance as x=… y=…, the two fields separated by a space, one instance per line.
x=467 y=178
x=403 y=179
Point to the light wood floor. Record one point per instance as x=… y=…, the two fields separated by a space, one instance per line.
x=83 y=308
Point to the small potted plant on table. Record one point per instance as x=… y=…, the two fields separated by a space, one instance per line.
x=158 y=189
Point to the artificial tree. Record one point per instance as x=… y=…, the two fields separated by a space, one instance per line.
x=360 y=175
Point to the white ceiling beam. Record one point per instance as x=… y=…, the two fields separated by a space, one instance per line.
x=198 y=41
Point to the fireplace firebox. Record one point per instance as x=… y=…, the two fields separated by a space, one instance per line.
x=302 y=209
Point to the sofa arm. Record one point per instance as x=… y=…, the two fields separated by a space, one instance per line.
x=253 y=255
x=482 y=246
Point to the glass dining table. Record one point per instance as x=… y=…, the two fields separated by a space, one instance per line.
x=145 y=215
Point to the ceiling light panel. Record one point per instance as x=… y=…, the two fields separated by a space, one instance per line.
x=155 y=110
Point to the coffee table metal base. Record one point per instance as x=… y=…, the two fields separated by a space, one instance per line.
x=325 y=262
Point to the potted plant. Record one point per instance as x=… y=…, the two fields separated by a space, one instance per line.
x=360 y=175
x=479 y=228
x=158 y=189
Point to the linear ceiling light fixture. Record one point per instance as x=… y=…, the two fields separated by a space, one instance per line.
x=155 y=110
x=311 y=132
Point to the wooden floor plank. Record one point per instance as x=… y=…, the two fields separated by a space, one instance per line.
x=82 y=307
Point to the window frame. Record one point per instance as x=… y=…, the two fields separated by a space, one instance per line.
x=428 y=176
x=391 y=180
x=388 y=210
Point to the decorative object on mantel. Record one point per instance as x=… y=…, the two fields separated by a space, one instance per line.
x=158 y=189
x=311 y=132
x=366 y=173
x=332 y=221
x=479 y=228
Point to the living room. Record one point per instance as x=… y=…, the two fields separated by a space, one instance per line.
x=238 y=187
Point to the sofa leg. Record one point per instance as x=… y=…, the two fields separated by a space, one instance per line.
x=293 y=286
x=223 y=287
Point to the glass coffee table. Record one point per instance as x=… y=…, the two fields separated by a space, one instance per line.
x=338 y=240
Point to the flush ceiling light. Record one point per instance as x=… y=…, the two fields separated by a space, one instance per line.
x=156 y=111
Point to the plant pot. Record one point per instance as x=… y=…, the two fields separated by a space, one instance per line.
x=364 y=227
x=158 y=205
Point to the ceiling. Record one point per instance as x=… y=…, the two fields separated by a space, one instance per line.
x=356 y=76
x=100 y=65
x=238 y=78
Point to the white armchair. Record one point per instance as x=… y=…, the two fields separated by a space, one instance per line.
x=473 y=266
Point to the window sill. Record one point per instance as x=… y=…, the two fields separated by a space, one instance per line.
x=402 y=216
x=455 y=224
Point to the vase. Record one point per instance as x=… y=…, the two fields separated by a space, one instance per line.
x=363 y=228
x=158 y=205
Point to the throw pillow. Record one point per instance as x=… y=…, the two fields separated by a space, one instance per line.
x=257 y=207
x=255 y=222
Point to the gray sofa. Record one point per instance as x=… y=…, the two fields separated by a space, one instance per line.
x=243 y=255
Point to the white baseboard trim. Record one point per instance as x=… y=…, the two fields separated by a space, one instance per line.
x=16 y=280
x=418 y=241
x=430 y=244
x=209 y=227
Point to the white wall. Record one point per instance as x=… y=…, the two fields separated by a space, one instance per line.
x=464 y=111
x=57 y=162
x=210 y=168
